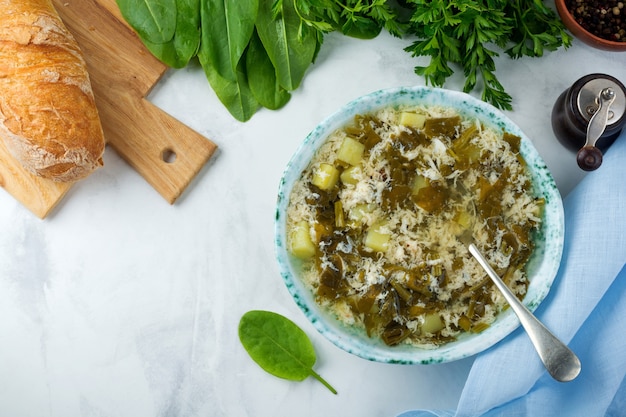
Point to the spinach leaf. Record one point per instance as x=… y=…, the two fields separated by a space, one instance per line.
x=177 y=52
x=262 y=76
x=361 y=28
x=290 y=48
x=154 y=20
x=279 y=346
x=232 y=89
x=234 y=95
x=227 y=26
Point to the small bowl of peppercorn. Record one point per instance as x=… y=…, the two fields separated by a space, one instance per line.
x=598 y=23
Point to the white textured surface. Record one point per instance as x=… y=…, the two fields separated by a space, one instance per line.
x=121 y=305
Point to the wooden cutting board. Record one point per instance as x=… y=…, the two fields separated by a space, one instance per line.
x=164 y=151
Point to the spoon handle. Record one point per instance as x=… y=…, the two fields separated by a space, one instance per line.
x=558 y=359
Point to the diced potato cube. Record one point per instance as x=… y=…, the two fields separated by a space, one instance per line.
x=432 y=323
x=351 y=151
x=419 y=183
x=464 y=219
x=325 y=177
x=413 y=120
x=301 y=245
x=377 y=239
x=351 y=175
x=358 y=212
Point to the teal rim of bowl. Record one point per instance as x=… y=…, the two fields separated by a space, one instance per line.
x=542 y=267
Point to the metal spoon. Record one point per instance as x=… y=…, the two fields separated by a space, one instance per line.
x=558 y=359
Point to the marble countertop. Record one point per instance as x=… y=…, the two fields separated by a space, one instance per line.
x=119 y=304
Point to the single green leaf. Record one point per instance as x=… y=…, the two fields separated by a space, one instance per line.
x=278 y=346
x=234 y=95
x=166 y=53
x=227 y=27
x=361 y=28
x=153 y=20
x=177 y=52
x=262 y=76
x=290 y=49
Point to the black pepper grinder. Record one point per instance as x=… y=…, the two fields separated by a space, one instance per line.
x=589 y=116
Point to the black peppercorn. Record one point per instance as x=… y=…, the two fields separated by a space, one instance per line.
x=601 y=18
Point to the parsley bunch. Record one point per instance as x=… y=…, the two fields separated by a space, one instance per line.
x=469 y=34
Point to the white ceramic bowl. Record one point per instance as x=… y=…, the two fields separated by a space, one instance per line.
x=542 y=267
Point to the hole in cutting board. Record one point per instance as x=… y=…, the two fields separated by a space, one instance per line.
x=168 y=156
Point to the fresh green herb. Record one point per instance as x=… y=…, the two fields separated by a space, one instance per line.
x=221 y=34
x=154 y=21
x=236 y=94
x=262 y=77
x=536 y=28
x=237 y=41
x=290 y=50
x=356 y=18
x=227 y=26
x=185 y=41
x=279 y=346
x=469 y=33
x=227 y=74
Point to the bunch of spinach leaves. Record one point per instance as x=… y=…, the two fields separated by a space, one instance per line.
x=253 y=52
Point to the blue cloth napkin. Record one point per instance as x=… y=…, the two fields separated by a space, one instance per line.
x=586 y=308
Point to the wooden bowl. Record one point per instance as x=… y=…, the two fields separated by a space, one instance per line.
x=581 y=33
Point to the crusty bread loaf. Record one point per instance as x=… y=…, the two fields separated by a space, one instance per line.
x=48 y=117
